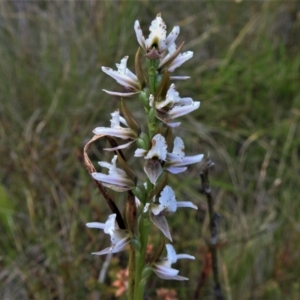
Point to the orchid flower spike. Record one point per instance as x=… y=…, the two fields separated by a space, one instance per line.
x=158 y=41
x=116 y=179
x=124 y=77
x=163 y=267
x=117 y=130
x=119 y=238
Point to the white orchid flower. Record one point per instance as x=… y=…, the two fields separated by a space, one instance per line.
x=166 y=203
x=117 y=130
x=124 y=77
x=158 y=35
x=173 y=98
x=174 y=106
x=176 y=161
x=163 y=267
x=154 y=157
x=116 y=179
x=119 y=238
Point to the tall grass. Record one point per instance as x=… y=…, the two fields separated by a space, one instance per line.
x=245 y=72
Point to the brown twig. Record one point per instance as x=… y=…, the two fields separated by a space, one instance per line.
x=213 y=222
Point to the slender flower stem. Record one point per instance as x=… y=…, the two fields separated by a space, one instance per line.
x=143 y=232
x=140 y=258
x=131 y=265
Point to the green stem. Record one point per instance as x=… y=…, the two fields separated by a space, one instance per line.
x=131 y=281
x=137 y=257
x=140 y=259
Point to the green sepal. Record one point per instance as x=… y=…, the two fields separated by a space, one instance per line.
x=144 y=224
x=152 y=121
x=159 y=129
x=130 y=213
x=138 y=69
x=169 y=137
x=152 y=79
x=147 y=271
x=136 y=244
x=158 y=81
x=141 y=193
x=144 y=97
x=162 y=89
x=132 y=123
x=129 y=172
x=151 y=114
x=171 y=59
x=143 y=141
x=152 y=63
x=162 y=182
x=156 y=255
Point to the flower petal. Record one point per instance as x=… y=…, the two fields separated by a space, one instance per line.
x=139 y=34
x=161 y=223
x=168 y=273
x=178 y=111
x=176 y=170
x=186 y=204
x=95 y=225
x=119 y=147
x=179 y=60
x=159 y=148
x=167 y=199
x=115 y=248
x=173 y=124
x=120 y=132
x=173 y=256
x=140 y=152
x=113 y=179
x=120 y=94
x=173 y=35
x=185 y=256
x=179 y=77
x=188 y=160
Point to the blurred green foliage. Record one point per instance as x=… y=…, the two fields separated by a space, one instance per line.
x=245 y=71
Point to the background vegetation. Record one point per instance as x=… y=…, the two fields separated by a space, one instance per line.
x=245 y=72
